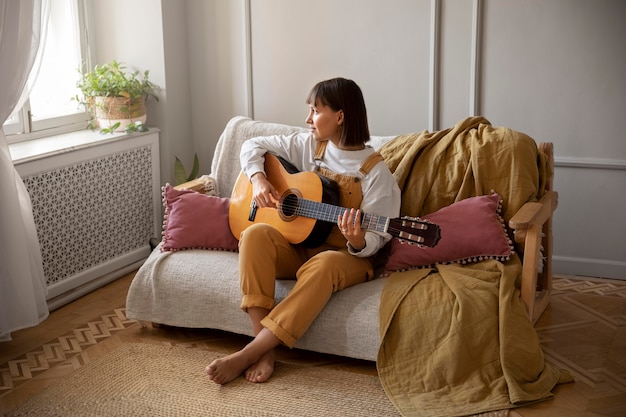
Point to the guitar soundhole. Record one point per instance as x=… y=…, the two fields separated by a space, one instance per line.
x=288 y=205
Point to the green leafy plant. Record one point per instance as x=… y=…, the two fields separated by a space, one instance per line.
x=114 y=80
x=180 y=173
x=130 y=128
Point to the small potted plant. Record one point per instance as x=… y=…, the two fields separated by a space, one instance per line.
x=180 y=173
x=115 y=97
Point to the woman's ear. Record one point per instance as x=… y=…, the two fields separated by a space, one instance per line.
x=340 y=117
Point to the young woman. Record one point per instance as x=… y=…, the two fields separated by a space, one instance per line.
x=336 y=148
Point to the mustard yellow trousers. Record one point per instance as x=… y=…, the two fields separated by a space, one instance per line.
x=265 y=255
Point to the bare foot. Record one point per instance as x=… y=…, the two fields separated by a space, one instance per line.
x=223 y=370
x=259 y=352
x=262 y=369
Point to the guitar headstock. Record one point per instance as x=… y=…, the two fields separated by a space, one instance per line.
x=415 y=231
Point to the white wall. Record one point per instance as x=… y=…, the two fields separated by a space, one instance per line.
x=151 y=35
x=552 y=69
x=216 y=34
x=384 y=49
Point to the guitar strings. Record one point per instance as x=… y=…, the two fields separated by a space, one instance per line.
x=306 y=208
x=327 y=212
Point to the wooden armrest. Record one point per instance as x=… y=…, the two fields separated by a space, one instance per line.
x=534 y=213
x=195 y=185
x=532 y=225
x=204 y=184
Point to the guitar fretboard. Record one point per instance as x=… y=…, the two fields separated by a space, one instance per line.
x=329 y=213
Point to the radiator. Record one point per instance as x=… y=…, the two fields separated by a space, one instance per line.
x=95 y=211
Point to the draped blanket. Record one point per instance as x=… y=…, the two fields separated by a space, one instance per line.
x=455 y=339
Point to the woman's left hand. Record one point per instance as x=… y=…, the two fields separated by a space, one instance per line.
x=350 y=226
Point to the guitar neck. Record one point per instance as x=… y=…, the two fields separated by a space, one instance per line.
x=329 y=213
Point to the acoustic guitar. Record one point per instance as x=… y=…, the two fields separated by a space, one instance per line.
x=307 y=209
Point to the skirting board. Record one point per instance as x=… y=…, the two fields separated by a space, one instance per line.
x=75 y=293
x=588 y=267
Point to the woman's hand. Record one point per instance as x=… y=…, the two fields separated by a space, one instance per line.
x=263 y=192
x=350 y=225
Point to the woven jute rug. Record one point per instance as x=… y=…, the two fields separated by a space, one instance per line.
x=157 y=380
x=146 y=380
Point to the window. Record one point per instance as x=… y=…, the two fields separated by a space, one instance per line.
x=50 y=108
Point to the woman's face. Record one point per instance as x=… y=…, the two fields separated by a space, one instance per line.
x=324 y=122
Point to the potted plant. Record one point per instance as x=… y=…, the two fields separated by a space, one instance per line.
x=115 y=97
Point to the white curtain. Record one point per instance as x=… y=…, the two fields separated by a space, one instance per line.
x=22 y=282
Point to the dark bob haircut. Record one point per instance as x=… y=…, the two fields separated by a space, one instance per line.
x=343 y=94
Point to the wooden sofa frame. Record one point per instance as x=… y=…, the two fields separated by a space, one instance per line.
x=532 y=228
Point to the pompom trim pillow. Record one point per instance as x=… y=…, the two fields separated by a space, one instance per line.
x=195 y=221
x=471 y=230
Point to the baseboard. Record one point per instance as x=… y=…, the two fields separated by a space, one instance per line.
x=589 y=267
x=75 y=293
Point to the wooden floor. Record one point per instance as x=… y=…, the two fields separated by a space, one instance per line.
x=583 y=330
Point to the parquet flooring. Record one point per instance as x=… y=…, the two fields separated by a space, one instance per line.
x=583 y=330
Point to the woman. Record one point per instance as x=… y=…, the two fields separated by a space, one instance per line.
x=335 y=148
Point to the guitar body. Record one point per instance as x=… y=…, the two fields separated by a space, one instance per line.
x=296 y=229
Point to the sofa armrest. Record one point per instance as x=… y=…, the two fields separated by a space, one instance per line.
x=534 y=213
x=204 y=184
x=532 y=227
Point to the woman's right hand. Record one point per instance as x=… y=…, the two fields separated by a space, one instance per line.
x=263 y=192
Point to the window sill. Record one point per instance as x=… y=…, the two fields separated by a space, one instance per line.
x=32 y=150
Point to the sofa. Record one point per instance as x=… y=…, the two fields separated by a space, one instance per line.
x=199 y=288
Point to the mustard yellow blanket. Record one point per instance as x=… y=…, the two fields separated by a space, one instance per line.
x=455 y=339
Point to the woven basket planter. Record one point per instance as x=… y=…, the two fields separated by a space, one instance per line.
x=110 y=110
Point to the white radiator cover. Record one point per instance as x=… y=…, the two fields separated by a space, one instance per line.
x=95 y=210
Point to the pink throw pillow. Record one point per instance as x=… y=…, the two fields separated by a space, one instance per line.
x=195 y=221
x=471 y=230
